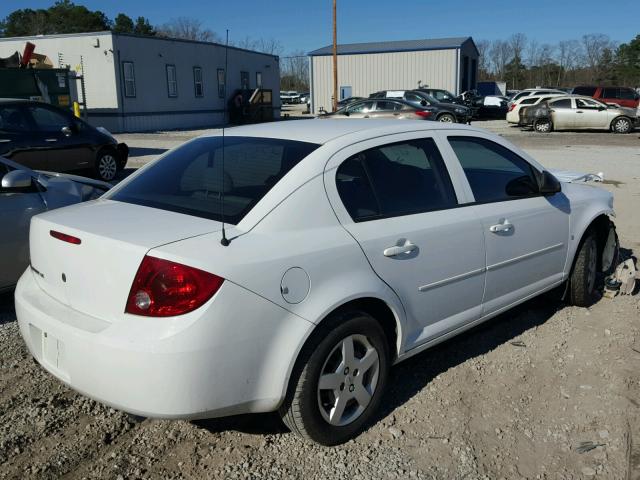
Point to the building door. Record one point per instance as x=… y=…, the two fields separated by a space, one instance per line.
x=345 y=92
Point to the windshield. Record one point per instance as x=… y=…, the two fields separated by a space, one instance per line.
x=190 y=179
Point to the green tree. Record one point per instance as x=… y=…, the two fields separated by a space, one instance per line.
x=123 y=24
x=63 y=17
x=143 y=27
x=628 y=62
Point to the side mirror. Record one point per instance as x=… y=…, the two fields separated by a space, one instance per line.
x=423 y=103
x=601 y=109
x=16 y=179
x=549 y=184
x=346 y=113
x=66 y=131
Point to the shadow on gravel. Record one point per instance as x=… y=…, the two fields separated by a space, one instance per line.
x=7 y=309
x=414 y=374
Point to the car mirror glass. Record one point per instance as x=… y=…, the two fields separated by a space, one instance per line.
x=16 y=179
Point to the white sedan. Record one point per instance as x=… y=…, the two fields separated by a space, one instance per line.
x=347 y=246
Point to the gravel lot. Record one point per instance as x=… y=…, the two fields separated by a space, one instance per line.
x=513 y=398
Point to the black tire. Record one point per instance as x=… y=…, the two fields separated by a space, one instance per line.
x=107 y=165
x=582 y=282
x=621 y=125
x=543 y=125
x=447 y=118
x=302 y=409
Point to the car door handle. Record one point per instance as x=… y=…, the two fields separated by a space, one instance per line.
x=4 y=140
x=579 y=111
x=50 y=139
x=501 y=227
x=399 y=249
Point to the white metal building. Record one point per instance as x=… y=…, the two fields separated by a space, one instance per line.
x=365 y=68
x=135 y=83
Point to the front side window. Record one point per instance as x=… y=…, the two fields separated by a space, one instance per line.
x=197 y=82
x=129 y=79
x=392 y=180
x=363 y=107
x=386 y=105
x=221 y=83
x=48 y=120
x=13 y=120
x=585 y=103
x=494 y=172
x=413 y=98
x=172 y=81
x=191 y=180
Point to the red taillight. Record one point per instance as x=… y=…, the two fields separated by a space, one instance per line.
x=163 y=289
x=423 y=113
x=513 y=105
x=65 y=238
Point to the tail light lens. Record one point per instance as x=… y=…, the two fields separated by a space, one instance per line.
x=423 y=113
x=65 y=237
x=164 y=289
x=513 y=105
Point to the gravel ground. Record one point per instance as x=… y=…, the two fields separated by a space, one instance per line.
x=513 y=398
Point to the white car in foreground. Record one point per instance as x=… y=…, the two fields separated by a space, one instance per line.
x=352 y=245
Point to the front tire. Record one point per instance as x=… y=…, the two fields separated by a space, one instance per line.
x=106 y=166
x=621 y=125
x=339 y=379
x=582 y=282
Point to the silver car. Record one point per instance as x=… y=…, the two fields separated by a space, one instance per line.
x=25 y=193
x=574 y=112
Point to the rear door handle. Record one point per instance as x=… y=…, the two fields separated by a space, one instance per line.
x=399 y=249
x=505 y=226
x=50 y=139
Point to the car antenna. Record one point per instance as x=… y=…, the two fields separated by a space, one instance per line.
x=224 y=241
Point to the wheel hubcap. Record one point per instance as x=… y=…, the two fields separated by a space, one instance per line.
x=107 y=167
x=446 y=119
x=622 y=126
x=543 y=127
x=591 y=266
x=348 y=380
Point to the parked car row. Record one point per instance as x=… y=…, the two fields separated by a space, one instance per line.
x=290 y=97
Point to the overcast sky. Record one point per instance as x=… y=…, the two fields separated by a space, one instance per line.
x=306 y=25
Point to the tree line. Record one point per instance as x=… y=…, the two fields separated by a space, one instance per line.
x=64 y=16
x=593 y=59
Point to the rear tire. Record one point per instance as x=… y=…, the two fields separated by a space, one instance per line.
x=543 y=125
x=621 y=125
x=336 y=409
x=447 y=118
x=582 y=281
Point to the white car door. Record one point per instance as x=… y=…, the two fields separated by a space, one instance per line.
x=591 y=114
x=526 y=234
x=395 y=196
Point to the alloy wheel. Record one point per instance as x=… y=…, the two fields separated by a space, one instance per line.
x=622 y=125
x=107 y=167
x=348 y=380
x=446 y=119
x=543 y=126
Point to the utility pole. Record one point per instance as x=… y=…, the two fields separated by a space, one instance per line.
x=335 y=59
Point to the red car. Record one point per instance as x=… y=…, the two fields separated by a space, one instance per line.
x=623 y=96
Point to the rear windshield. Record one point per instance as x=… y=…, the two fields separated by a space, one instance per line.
x=190 y=179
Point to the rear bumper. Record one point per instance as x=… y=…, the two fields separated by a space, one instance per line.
x=234 y=356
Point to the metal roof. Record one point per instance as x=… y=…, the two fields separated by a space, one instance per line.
x=394 y=46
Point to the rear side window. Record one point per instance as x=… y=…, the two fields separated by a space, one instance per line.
x=586 y=91
x=494 y=172
x=13 y=119
x=626 y=94
x=392 y=180
x=386 y=105
x=529 y=101
x=564 y=103
x=190 y=179
x=610 y=93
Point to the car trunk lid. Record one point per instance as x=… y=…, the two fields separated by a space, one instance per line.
x=95 y=275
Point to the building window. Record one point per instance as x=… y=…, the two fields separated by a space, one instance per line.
x=244 y=80
x=197 y=82
x=221 y=83
x=172 y=81
x=129 y=79
x=258 y=79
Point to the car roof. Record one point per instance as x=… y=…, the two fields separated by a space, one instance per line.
x=321 y=131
